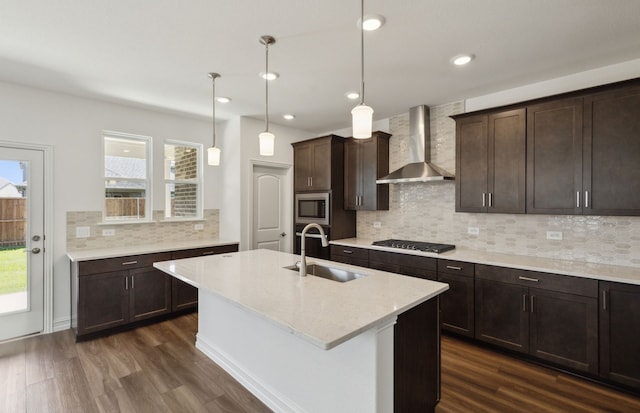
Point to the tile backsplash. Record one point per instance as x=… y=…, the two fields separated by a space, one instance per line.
x=158 y=231
x=426 y=212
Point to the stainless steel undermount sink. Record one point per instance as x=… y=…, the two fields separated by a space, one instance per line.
x=330 y=273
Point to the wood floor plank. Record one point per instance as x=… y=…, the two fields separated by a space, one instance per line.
x=12 y=377
x=181 y=399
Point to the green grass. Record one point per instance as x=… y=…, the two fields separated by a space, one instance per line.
x=13 y=270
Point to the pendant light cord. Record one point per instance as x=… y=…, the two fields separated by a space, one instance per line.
x=213 y=77
x=362 y=51
x=266 y=82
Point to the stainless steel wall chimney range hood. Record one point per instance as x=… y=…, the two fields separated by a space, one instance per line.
x=420 y=168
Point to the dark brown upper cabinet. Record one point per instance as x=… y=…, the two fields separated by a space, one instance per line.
x=554 y=164
x=318 y=163
x=611 y=162
x=366 y=160
x=491 y=162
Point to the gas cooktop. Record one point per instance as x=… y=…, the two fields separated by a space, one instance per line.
x=415 y=245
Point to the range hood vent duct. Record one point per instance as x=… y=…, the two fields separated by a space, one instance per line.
x=420 y=168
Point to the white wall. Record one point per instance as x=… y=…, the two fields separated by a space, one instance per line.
x=73 y=127
x=235 y=218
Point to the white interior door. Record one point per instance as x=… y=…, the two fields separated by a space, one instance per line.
x=269 y=200
x=21 y=242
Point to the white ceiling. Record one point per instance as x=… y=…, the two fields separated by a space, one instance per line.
x=157 y=53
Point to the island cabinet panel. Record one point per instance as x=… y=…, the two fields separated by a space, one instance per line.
x=365 y=161
x=491 y=162
x=619 y=333
x=318 y=164
x=417 y=359
x=612 y=152
x=183 y=295
x=405 y=264
x=350 y=255
x=457 y=303
x=554 y=163
x=549 y=316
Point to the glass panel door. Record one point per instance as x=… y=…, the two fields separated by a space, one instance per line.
x=21 y=242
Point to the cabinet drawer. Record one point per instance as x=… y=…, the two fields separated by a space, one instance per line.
x=545 y=281
x=199 y=252
x=456 y=267
x=352 y=253
x=404 y=260
x=121 y=263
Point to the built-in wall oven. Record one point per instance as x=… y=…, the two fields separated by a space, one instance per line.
x=313 y=207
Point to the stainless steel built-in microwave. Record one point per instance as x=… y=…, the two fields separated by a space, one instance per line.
x=312 y=207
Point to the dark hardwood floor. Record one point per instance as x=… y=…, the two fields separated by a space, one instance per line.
x=157 y=369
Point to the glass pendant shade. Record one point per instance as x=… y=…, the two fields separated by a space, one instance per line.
x=213 y=156
x=362 y=116
x=267 y=143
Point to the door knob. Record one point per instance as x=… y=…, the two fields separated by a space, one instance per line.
x=283 y=234
x=34 y=250
x=35 y=238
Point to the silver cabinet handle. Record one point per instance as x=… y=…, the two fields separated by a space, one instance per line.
x=490 y=199
x=126 y=282
x=451 y=267
x=535 y=280
x=524 y=303
x=484 y=199
x=531 y=299
x=586 y=199
x=604 y=300
x=208 y=252
x=133 y=282
x=347 y=252
x=129 y=262
x=578 y=199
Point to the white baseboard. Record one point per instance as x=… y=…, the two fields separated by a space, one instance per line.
x=61 y=324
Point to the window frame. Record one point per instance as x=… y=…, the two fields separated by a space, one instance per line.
x=148 y=181
x=199 y=181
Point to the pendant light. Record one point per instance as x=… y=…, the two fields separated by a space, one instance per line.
x=362 y=115
x=267 y=139
x=213 y=153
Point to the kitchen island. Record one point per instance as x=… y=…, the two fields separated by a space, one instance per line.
x=308 y=344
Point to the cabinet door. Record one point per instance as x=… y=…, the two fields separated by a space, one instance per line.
x=149 y=293
x=321 y=165
x=506 y=162
x=103 y=301
x=612 y=153
x=502 y=316
x=554 y=157
x=302 y=167
x=352 y=176
x=564 y=329
x=457 y=304
x=471 y=164
x=619 y=337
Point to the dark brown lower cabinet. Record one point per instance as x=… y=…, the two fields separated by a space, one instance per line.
x=405 y=264
x=149 y=293
x=457 y=304
x=620 y=333
x=103 y=301
x=114 y=292
x=350 y=255
x=557 y=320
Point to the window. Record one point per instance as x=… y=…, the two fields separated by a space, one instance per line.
x=182 y=180
x=127 y=177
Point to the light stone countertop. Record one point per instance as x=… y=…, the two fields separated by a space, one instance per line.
x=604 y=272
x=320 y=311
x=150 y=248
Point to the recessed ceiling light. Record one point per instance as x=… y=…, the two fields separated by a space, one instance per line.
x=371 y=22
x=352 y=95
x=289 y=116
x=269 y=76
x=462 y=59
x=223 y=99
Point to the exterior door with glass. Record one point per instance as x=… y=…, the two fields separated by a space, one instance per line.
x=21 y=242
